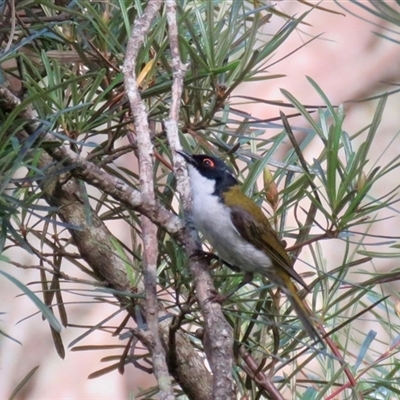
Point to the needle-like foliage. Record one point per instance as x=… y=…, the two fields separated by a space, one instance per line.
x=69 y=171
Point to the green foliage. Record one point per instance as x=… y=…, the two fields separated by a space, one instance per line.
x=69 y=66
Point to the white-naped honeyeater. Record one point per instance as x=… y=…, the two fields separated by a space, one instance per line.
x=239 y=231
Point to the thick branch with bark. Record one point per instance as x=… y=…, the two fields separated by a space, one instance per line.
x=94 y=241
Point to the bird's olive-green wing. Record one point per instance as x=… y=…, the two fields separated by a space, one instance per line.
x=254 y=227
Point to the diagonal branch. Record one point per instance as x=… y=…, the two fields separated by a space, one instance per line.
x=92 y=174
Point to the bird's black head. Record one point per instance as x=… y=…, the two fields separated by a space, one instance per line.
x=212 y=168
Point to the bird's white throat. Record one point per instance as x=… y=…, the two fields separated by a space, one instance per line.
x=200 y=184
x=209 y=213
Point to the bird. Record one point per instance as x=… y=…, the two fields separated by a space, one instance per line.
x=240 y=233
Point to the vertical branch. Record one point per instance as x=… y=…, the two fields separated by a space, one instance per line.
x=178 y=72
x=145 y=154
x=218 y=338
x=178 y=69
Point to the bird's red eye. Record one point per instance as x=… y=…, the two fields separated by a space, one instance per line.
x=207 y=162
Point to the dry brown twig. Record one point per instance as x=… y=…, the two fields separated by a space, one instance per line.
x=264 y=381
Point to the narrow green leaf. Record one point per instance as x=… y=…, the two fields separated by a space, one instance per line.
x=23 y=382
x=47 y=314
x=95 y=327
x=364 y=348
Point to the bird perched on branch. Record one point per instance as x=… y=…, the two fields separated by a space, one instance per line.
x=239 y=231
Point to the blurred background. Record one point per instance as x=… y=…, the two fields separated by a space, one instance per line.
x=350 y=60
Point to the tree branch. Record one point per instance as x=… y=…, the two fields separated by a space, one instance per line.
x=146 y=166
x=92 y=174
x=94 y=241
x=217 y=330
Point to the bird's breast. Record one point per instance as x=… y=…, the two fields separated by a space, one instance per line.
x=212 y=217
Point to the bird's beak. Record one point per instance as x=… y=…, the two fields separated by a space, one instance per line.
x=188 y=157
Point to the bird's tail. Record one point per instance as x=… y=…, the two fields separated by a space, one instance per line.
x=302 y=312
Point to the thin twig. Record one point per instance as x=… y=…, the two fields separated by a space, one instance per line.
x=12 y=31
x=258 y=376
x=59 y=274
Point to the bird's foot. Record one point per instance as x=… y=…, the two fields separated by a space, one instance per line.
x=205 y=255
x=216 y=297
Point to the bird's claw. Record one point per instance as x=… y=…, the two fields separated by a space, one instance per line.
x=203 y=255
x=216 y=297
